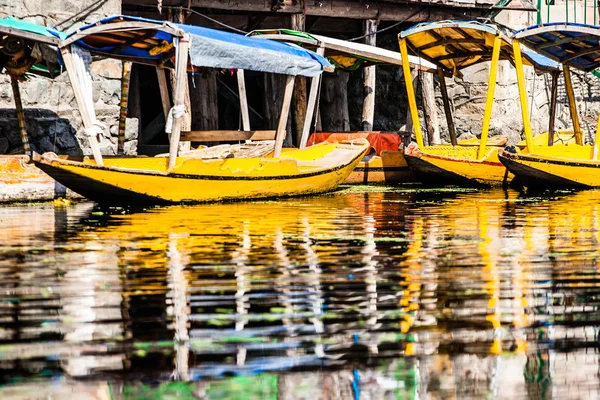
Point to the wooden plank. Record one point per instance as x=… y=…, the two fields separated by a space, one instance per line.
x=20 y=114
x=312 y=106
x=432 y=125
x=283 y=117
x=447 y=108
x=243 y=99
x=553 y=97
x=164 y=91
x=122 y=27
x=410 y=91
x=572 y=105
x=125 y=76
x=29 y=35
x=181 y=83
x=299 y=96
x=81 y=103
x=204 y=102
x=227 y=135
x=368 y=110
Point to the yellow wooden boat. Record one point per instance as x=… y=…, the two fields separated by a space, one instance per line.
x=175 y=177
x=149 y=180
x=559 y=165
x=452 y=46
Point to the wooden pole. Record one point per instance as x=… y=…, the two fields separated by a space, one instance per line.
x=181 y=83
x=124 y=100
x=299 y=106
x=447 y=108
x=312 y=104
x=283 y=117
x=596 y=141
x=80 y=97
x=410 y=91
x=20 y=114
x=243 y=100
x=487 y=115
x=553 y=96
x=368 y=110
x=572 y=105
x=523 y=95
x=164 y=91
x=430 y=110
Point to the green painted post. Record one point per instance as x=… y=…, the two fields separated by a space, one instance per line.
x=539 y=12
x=567 y=10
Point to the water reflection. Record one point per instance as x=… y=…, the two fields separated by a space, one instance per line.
x=400 y=293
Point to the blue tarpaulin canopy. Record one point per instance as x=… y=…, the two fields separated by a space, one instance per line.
x=151 y=41
x=576 y=45
x=454 y=45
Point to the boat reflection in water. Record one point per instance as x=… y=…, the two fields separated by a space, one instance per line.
x=367 y=293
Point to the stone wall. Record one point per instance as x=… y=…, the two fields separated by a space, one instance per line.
x=53 y=119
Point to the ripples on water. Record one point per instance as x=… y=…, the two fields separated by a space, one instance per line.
x=365 y=293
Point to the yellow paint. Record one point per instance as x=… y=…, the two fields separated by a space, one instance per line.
x=410 y=91
x=391 y=167
x=487 y=115
x=572 y=104
x=523 y=95
x=596 y=140
x=202 y=180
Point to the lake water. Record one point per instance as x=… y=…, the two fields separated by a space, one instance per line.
x=366 y=293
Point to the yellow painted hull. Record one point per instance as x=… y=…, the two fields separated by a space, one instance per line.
x=143 y=180
x=458 y=165
x=557 y=166
x=391 y=167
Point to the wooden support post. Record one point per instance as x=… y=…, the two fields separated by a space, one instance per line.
x=204 y=100
x=410 y=91
x=487 y=115
x=164 y=91
x=20 y=114
x=243 y=100
x=572 y=105
x=368 y=110
x=553 y=96
x=299 y=96
x=181 y=83
x=432 y=124
x=124 y=100
x=86 y=110
x=283 y=117
x=523 y=95
x=447 y=108
x=596 y=141
x=312 y=107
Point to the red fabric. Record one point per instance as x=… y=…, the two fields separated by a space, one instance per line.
x=379 y=140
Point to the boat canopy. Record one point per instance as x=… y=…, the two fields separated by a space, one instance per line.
x=342 y=53
x=153 y=42
x=576 y=45
x=453 y=45
x=37 y=55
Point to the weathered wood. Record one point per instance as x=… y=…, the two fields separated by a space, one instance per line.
x=227 y=135
x=20 y=114
x=432 y=125
x=86 y=117
x=553 y=96
x=125 y=77
x=274 y=88
x=186 y=122
x=368 y=111
x=121 y=27
x=243 y=97
x=204 y=102
x=299 y=96
x=164 y=91
x=283 y=117
x=447 y=108
x=181 y=83
x=29 y=35
x=312 y=107
x=572 y=105
x=334 y=102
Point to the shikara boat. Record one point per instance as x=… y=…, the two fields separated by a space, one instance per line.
x=20 y=180
x=452 y=46
x=385 y=163
x=559 y=164
x=173 y=179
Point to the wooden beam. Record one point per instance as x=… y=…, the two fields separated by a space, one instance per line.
x=447 y=108
x=227 y=135
x=130 y=42
x=368 y=110
x=181 y=83
x=489 y=103
x=29 y=35
x=125 y=76
x=311 y=108
x=446 y=42
x=410 y=91
x=283 y=117
x=553 y=96
x=299 y=96
x=523 y=95
x=164 y=91
x=572 y=105
x=243 y=97
x=20 y=114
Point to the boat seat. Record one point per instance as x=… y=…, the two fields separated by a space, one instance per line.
x=226 y=135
